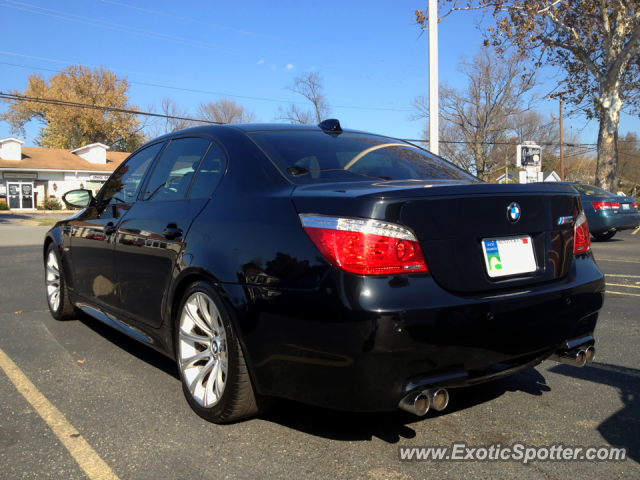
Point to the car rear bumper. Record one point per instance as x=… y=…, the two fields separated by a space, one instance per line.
x=600 y=222
x=360 y=343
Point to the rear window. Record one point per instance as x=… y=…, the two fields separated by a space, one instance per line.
x=314 y=157
x=590 y=190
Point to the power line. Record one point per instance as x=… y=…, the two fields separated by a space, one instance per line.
x=148 y=33
x=351 y=107
x=334 y=51
x=64 y=103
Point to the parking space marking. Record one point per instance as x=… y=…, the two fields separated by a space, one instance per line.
x=622 y=285
x=614 y=260
x=626 y=276
x=623 y=293
x=635 y=231
x=80 y=450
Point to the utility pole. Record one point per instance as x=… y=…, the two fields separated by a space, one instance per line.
x=506 y=160
x=559 y=95
x=561 y=143
x=433 y=77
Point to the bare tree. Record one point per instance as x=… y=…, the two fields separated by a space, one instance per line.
x=224 y=110
x=474 y=119
x=595 y=42
x=309 y=85
x=162 y=126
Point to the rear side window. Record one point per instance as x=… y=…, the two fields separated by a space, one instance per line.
x=590 y=190
x=174 y=172
x=312 y=157
x=209 y=174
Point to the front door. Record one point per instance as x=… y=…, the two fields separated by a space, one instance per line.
x=13 y=192
x=20 y=195
x=151 y=237
x=94 y=231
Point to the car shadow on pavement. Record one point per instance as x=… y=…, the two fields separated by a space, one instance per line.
x=8 y=219
x=621 y=428
x=391 y=427
x=132 y=346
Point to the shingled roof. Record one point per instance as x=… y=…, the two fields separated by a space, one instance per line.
x=60 y=159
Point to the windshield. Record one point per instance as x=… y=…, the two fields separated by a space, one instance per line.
x=590 y=190
x=314 y=157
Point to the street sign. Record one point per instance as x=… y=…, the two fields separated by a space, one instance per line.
x=529 y=157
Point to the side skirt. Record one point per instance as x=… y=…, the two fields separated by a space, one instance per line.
x=160 y=339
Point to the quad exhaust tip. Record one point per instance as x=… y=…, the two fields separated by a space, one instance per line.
x=591 y=353
x=576 y=357
x=419 y=402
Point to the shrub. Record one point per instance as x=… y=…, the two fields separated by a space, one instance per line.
x=52 y=204
x=4 y=206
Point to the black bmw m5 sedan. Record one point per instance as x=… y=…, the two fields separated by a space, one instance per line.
x=328 y=266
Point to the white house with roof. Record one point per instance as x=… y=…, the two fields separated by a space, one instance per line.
x=29 y=175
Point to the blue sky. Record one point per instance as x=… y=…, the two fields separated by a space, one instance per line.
x=369 y=53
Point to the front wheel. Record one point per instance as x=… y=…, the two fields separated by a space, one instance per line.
x=57 y=295
x=213 y=370
x=604 y=235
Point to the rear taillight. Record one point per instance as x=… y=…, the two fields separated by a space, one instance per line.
x=635 y=205
x=581 y=235
x=365 y=247
x=605 y=205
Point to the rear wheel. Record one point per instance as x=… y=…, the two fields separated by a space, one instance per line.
x=604 y=235
x=213 y=370
x=57 y=295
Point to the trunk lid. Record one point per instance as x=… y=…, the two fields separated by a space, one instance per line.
x=451 y=219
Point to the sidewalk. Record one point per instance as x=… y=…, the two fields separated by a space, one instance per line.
x=15 y=235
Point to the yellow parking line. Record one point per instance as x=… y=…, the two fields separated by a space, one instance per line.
x=623 y=293
x=80 y=450
x=626 y=276
x=635 y=231
x=621 y=285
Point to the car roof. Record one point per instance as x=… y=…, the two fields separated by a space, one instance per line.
x=255 y=127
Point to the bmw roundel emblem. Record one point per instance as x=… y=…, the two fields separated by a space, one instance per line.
x=513 y=212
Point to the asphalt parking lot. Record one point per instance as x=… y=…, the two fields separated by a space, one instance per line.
x=125 y=401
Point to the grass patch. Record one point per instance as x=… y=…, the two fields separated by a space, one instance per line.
x=46 y=222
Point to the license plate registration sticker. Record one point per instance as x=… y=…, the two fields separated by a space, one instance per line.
x=625 y=206
x=509 y=256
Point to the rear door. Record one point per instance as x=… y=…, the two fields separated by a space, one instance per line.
x=151 y=237
x=93 y=231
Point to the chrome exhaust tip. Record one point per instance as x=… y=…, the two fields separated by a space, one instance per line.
x=576 y=357
x=438 y=397
x=591 y=353
x=416 y=402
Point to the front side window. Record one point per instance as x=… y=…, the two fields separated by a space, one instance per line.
x=123 y=187
x=312 y=157
x=174 y=172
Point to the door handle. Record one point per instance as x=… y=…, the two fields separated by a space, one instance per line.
x=172 y=231
x=110 y=229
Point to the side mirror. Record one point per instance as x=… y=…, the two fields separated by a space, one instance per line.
x=78 y=198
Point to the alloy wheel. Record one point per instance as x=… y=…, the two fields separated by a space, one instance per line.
x=53 y=281
x=202 y=349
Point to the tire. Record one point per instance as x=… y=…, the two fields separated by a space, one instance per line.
x=205 y=340
x=604 y=235
x=55 y=287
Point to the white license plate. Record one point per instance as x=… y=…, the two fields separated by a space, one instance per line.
x=626 y=206
x=509 y=255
